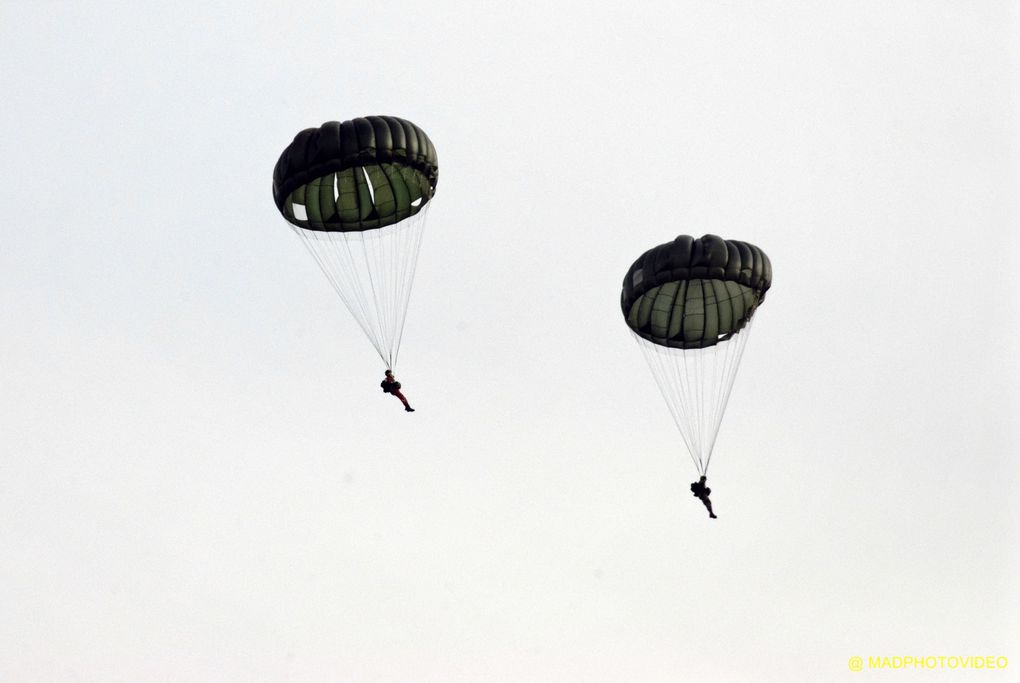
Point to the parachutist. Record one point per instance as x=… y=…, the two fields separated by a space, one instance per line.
x=390 y=385
x=356 y=192
x=690 y=305
x=701 y=491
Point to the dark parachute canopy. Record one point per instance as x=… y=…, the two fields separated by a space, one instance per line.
x=689 y=304
x=357 y=175
x=692 y=293
x=357 y=194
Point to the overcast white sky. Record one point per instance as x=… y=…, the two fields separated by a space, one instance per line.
x=200 y=480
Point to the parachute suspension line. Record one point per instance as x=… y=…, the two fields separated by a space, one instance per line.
x=667 y=377
x=407 y=269
x=372 y=272
x=346 y=262
x=693 y=389
x=343 y=283
x=696 y=385
x=381 y=276
x=734 y=352
x=380 y=319
x=699 y=401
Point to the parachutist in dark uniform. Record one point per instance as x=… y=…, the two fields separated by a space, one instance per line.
x=701 y=491
x=390 y=385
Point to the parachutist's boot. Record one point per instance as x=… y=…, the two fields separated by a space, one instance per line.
x=408 y=409
x=708 y=505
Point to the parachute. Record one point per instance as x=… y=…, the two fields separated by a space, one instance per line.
x=690 y=304
x=357 y=193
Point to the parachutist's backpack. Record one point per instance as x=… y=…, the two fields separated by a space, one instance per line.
x=389 y=387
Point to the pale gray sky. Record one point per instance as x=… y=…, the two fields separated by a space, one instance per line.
x=200 y=480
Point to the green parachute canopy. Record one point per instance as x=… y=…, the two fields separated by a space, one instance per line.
x=360 y=174
x=689 y=304
x=357 y=194
x=693 y=293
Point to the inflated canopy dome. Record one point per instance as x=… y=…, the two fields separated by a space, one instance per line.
x=357 y=175
x=693 y=293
